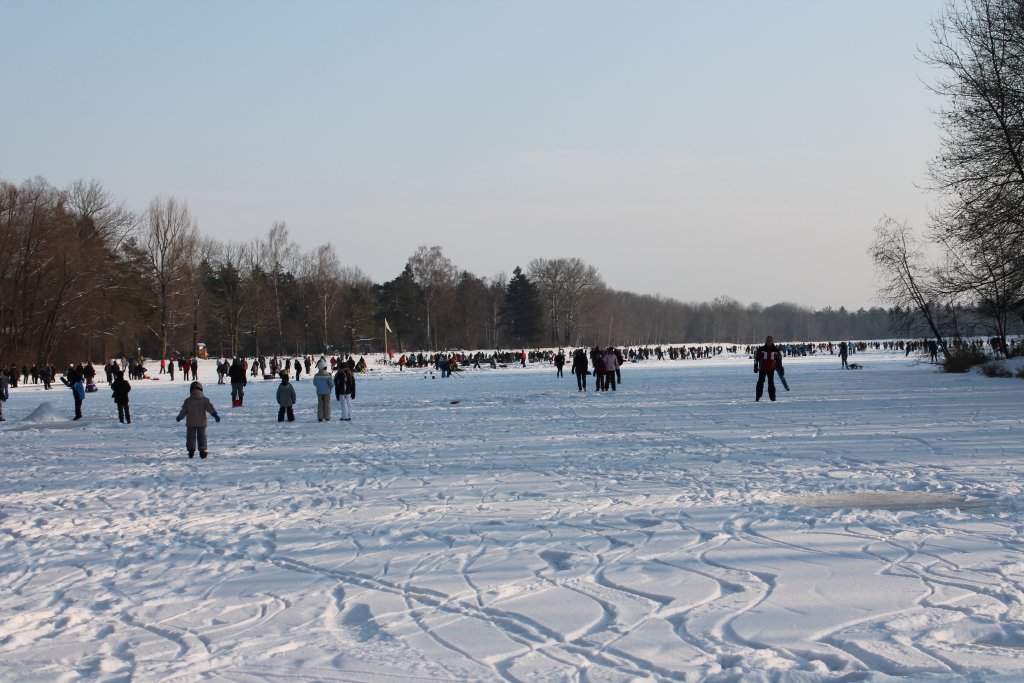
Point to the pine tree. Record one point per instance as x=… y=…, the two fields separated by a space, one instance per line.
x=523 y=313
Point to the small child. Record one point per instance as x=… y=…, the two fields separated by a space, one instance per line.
x=195 y=408
x=285 y=399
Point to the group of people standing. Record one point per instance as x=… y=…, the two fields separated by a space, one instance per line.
x=341 y=383
x=607 y=364
x=187 y=366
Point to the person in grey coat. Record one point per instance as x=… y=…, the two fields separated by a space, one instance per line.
x=194 y=411
x=285 y=399
x=323 y=382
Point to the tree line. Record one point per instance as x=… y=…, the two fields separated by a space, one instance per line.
x=965 y=277
x=83 y=277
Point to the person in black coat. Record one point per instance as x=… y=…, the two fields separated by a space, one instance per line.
x=236 y=373
x=767 y=361
x=579 y=368
x=120 y=388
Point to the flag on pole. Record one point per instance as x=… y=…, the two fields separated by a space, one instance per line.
x=387 y=327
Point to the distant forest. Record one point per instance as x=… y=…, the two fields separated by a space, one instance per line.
x=82 y=277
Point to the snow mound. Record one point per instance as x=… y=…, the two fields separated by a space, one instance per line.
x=45 y=413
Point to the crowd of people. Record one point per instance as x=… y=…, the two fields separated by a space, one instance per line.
x=337 y=376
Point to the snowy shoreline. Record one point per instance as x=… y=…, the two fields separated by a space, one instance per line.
x=503 y=526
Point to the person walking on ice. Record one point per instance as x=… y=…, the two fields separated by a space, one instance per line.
x=580 y=369
x=236 y=374
x=194 y=411
x=120 y=388
x=767 y=360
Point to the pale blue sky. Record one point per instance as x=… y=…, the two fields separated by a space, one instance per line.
x=688 y=149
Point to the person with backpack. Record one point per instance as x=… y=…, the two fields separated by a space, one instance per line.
x=194 y=411
x=120 y=388
x=285 y=399
x=767 y=360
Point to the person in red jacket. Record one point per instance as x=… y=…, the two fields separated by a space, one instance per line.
x=767 y=360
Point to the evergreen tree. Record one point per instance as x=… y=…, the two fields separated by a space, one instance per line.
x=399 y=302
x=523 y=314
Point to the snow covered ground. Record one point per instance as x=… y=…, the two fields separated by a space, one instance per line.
x=500 y=526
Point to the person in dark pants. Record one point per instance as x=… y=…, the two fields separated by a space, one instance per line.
x=194 y=411
x=236 y=373
x=76 y=383
x=285 y=399
x=559 y=362
x=120 y=388
x=579 y=368
x=767 y=360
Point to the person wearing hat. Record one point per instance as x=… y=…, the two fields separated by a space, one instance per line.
x=323 y=382
x=194 y=411
x=285 y=399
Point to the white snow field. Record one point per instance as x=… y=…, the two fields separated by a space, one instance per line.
x=498 y=525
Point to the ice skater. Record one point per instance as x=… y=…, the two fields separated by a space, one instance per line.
x=767 y=360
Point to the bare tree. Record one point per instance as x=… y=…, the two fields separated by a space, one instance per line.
x=495 y=302
x=230 y=282
x=984 y=271
x=979 y=175
x=436 y=276
x=257 y=289
x=909 y=284
x=565 y=285
x=110 y=221
x=281 y=253
x=169 y=239
x=356 y=304
x=325 y=277
x=197 y=282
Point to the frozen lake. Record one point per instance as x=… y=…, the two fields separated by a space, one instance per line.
x=501 y=526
